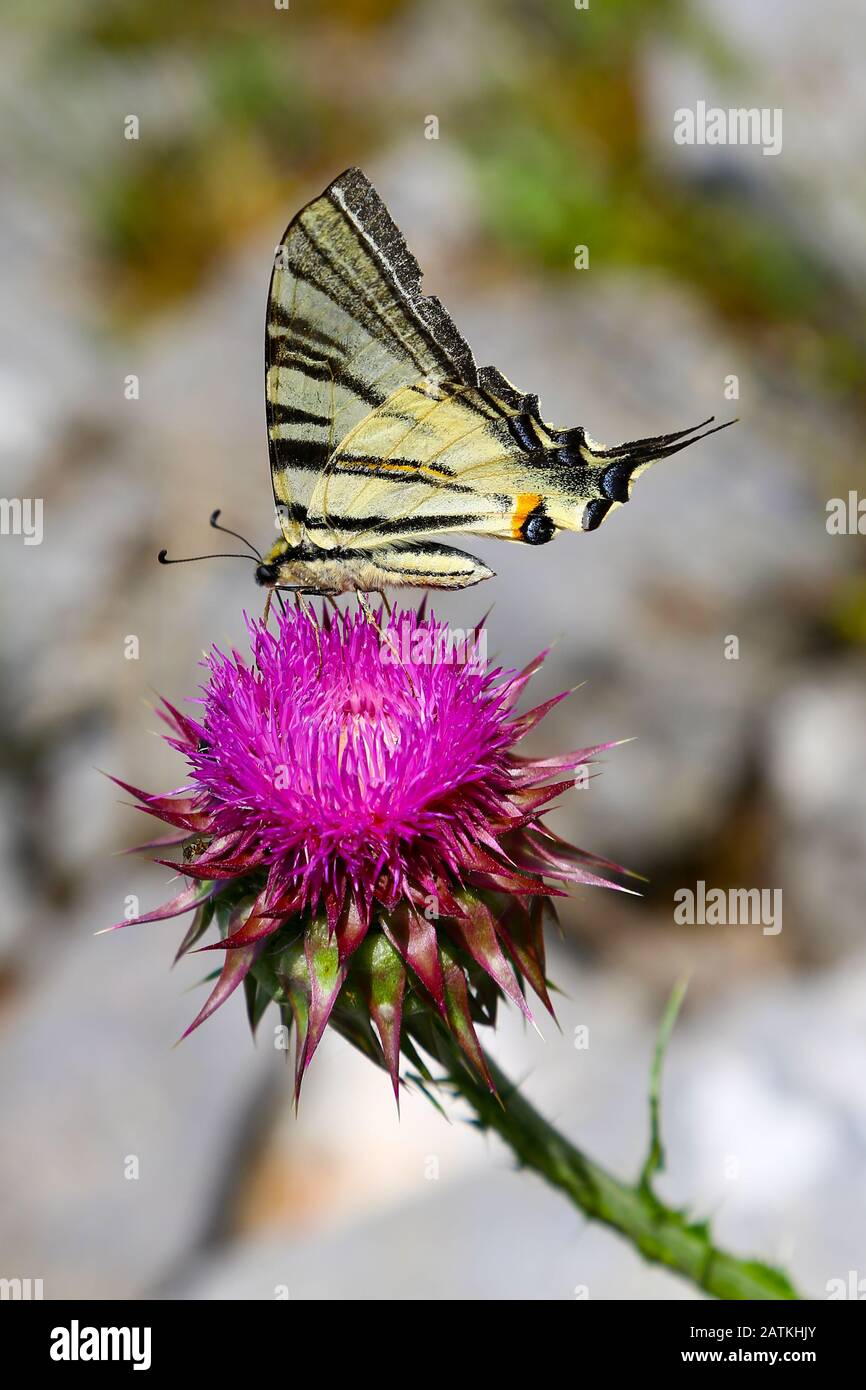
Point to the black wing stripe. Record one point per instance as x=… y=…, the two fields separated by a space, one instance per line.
x=382 y=525
x=348 y=295
x=318 y=369
x=294 y=415
x=298 y=330
x=307 y=455
x=346 y=463
x=409 y=479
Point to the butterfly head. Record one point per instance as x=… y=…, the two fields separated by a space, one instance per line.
x=267 y=574
x=303 y=567
x=272 y=569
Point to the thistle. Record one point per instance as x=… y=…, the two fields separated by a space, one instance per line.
x=359 y=828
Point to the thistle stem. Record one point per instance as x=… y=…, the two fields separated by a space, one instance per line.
x=660 y=1233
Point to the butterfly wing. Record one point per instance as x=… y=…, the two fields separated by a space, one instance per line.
x=439 y=457
x=346 y=327
x=380 y=424
x=436 y=456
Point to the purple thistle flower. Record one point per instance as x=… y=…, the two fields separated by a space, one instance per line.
x=371 y=847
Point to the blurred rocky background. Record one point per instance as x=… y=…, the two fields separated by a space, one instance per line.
x=129 y=1169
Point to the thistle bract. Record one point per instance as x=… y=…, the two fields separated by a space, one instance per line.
x=360 y=830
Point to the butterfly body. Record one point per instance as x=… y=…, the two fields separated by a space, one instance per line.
x=310 y=570
x=382 y=430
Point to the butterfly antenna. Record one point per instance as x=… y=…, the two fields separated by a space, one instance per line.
x=214 y=521
x=163 y=559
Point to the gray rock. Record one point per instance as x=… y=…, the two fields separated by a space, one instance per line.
x=89 y=1081
x=816 y=761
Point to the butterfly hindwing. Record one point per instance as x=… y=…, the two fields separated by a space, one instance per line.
x=436 y=456
x=445 y=457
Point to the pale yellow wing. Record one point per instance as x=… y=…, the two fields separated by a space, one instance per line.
x=346 y=326
x=441 y=457
x=380 y=425
x=436 y=456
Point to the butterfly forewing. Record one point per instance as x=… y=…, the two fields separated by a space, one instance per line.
x=346 y=327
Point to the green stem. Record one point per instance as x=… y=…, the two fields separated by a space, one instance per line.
x=661 y=1234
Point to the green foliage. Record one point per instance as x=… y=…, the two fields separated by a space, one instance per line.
x=662 y=1234
x=654 y=1162
x=554 y=123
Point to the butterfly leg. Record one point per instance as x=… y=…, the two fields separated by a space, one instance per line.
x=272 y=593
x=364 y=605
x=314 y=623
x=385 y=634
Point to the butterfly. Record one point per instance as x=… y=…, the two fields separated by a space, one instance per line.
x=382 y=430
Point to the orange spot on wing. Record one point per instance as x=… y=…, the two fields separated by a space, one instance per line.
x=526 y=503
